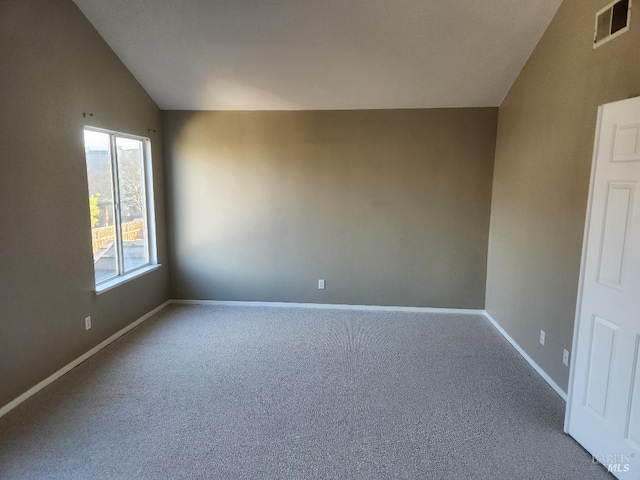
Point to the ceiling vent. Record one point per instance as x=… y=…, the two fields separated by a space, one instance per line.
x=612 y=21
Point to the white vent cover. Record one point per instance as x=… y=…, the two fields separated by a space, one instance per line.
x=612 y=21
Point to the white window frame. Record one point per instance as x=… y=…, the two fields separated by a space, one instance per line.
x=149 y=213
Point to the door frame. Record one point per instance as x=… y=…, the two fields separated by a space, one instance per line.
x=585 y=245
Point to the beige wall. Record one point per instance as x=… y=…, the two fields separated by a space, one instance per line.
x=389 y=207
x=53 y=67
x=543 y=160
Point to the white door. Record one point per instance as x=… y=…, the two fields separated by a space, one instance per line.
x=603 y=413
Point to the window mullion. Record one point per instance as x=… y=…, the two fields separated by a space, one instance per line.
x=117 y=206
x=145 y=214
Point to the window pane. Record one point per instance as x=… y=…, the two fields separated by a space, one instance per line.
x=604 y=26
x=103 y=231
x=620 y=16
x=135 y=247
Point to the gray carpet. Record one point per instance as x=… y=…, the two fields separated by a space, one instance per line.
x=262 y=393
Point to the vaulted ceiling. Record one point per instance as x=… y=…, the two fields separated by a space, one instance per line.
x=322 y=54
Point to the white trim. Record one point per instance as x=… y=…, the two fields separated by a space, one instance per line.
x=535 y=366
x=330 y=306
x=611 y=36
x=131 y=136
x=585 y=246
x=50 y=379
x=149 y=190
x=127 y=277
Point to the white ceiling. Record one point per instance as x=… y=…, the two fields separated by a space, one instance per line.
x=322 y=54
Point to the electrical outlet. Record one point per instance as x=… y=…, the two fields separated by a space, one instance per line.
x=87 y=323
x=565 y=357
x=321 y=284
x=542 y=337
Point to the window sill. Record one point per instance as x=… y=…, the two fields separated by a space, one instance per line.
x=116 y=282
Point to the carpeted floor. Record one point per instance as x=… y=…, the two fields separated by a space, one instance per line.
x=269 y=393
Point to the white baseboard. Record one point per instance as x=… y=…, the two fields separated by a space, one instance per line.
x=50 y=379
x=535 y=366
x=330 y=306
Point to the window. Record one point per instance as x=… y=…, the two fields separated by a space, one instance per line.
x=120 y=205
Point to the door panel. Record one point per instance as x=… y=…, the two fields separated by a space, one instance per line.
x=627 y=143
x=602 y=353
x=614 y=235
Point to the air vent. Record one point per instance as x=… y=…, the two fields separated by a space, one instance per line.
x=612 y=21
